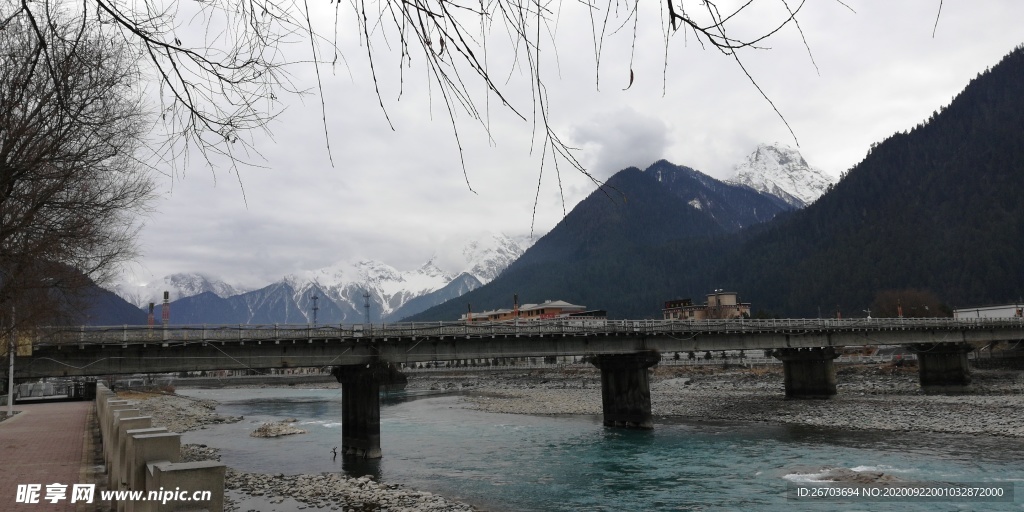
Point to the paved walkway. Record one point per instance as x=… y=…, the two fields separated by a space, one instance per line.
x=44 y=444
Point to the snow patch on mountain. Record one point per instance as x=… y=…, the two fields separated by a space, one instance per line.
x=346 y=284
x=185 y=284
x=781 y=171
x=488 y=257
x=388 y=287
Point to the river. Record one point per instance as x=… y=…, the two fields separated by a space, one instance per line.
x=507 y=462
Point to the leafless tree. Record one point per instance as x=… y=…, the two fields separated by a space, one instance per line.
x=71 y=179
x=908 y=303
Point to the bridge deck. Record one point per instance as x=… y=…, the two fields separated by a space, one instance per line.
x=135 y=349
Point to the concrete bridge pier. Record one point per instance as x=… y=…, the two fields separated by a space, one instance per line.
x=360 y=410
x=360 y=406
x=943 y=367
x=625 y=388
x=809 y=372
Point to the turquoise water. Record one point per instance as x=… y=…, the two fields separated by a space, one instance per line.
x=573 y=463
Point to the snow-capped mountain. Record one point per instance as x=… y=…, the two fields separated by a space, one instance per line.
x=392 y=290
x=487 y=258
x=340 y=289
x=389 y=288
x=178 y=285
x=781 y=171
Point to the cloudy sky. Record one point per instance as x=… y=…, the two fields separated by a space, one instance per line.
x=399 y=195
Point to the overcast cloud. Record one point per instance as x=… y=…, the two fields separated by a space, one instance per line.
x=612 y=141
x=400 y=196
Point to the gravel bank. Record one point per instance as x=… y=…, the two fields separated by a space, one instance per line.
x=874 y=397
x=177 y=413
x=328 y=491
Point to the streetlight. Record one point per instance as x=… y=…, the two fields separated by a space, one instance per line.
x=315 y=308
x=11 y=342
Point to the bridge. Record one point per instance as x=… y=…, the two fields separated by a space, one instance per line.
x=365 y=357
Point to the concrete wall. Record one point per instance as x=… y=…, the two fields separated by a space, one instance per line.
x=164 y=478
x=143 y=457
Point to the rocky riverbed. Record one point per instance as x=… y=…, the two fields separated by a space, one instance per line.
x=177 y=413
x=877 y=397
x=325 y=491
x=277 y=429
x=880 y=397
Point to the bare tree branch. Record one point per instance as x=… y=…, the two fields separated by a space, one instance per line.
x=221 y=66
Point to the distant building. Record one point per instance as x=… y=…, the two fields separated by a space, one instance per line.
x=720 y=304
x=1015 y=310
x=546 y=310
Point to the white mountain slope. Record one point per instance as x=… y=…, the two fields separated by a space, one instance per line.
x=781 y=171
x=178 y=285
x=390 y=289
x=345 y=283
x=488 y=257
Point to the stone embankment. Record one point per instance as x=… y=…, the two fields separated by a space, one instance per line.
x=324 y=492
x=870 y=397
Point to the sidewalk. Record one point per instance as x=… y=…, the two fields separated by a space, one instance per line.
x=43 y=444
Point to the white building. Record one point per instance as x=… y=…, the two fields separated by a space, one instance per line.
x=1015 y=310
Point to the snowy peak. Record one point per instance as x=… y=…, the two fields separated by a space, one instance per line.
x=488 y=257
x=781 y=171
x=340 y=288
x=193 y=284
x=178 y=285
x=430 y=271
x=388 y=287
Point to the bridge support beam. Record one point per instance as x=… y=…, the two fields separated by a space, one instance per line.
x=809 y=372
x=943 y=367
x=360 y=406
x=625 y=389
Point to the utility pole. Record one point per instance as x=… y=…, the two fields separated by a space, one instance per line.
x=315 y=308
x=366 y=304
x=12 y=341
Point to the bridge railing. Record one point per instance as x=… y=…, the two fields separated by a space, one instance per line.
x=244 y=333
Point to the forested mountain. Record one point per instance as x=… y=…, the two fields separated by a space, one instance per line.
x=939 y=208
x=104 y=307
x=599 y=255
x=732 y=207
